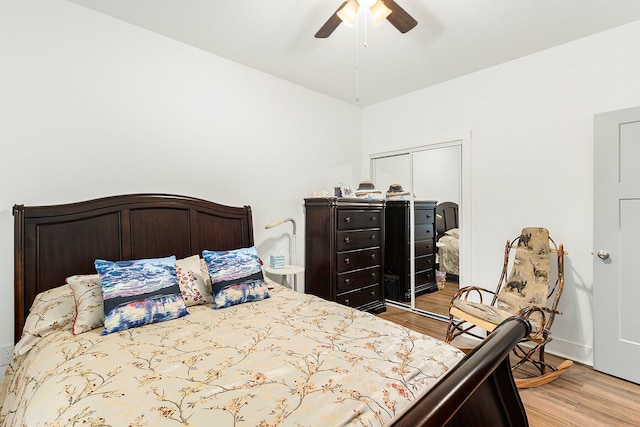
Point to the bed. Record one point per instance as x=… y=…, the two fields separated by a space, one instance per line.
x=448 y=238
x=285 y=359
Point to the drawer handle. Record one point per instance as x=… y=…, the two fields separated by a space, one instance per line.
x=373 y=256
x=373 y=237
x=346 y=260
x=346 y=240
x=346 y=281
x=346 y=302
x=347 y=219
x=373 y=218
x=373 y=274
x=373 y=293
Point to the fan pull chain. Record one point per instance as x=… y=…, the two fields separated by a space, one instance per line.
x=358 y=54
x=365 y=32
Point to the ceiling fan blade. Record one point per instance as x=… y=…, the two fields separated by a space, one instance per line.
x=399 y=17
x=331 y=24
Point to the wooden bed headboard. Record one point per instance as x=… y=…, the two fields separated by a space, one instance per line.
x=446 y=218
x=54 y=242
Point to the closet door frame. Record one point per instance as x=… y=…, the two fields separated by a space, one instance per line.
x=463 y=140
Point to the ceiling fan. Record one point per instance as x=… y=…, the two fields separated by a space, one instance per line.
x=380 y=10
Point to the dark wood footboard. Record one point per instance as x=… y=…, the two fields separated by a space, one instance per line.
x=479 y=391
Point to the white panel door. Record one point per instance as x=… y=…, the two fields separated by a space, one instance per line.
x=616 y=272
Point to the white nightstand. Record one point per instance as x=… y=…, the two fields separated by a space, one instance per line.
x=286 y=271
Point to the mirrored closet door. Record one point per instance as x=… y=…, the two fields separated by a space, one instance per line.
x=423 y=223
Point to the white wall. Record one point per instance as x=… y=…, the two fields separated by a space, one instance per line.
x=91 y=106
x=531 y=153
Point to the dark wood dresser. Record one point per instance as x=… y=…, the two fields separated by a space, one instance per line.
x=344 y=251
x=398 y=244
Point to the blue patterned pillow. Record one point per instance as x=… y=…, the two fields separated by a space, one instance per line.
x=236 y=276
x=139 y=292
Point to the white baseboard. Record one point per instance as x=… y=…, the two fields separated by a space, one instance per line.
x=570 y=350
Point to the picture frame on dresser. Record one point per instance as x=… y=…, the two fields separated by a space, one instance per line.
x=344 y=251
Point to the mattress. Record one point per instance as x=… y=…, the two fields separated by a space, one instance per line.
x=291 y=359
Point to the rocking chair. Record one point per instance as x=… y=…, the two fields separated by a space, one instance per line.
x=524 y=291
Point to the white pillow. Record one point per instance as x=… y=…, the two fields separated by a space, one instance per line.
x=51 y=311
x=87 y=293
x=193 y=284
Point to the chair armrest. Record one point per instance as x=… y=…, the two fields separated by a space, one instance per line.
x=463 y=293
x=539 y=331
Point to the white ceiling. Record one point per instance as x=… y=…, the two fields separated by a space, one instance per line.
x=452 y=38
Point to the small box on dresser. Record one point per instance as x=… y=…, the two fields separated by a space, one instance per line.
x=398 y=245
x=344 y=251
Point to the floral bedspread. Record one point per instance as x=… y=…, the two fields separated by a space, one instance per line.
x=289 y=360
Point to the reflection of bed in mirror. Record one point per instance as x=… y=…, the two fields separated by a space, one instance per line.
x=448 y=238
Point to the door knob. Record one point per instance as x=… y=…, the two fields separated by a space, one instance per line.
x=603 y=254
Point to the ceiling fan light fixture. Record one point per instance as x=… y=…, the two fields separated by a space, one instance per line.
x=366 y=3
x=379 y=12
x=349 y=13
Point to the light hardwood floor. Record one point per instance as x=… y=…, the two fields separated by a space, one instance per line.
x=436 y=302
x=582 y=397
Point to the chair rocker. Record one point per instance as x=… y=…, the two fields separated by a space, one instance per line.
x=524 y=291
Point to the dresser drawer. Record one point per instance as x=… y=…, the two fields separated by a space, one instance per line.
x=357 y=260
x=424 y=247
x=360 y=297
x=424 y=232
x=424 y=216
x=358 y=279
x=350 y=240
x=424 y=277
x=425 y=262
x=344 y=250
x=350 y=219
